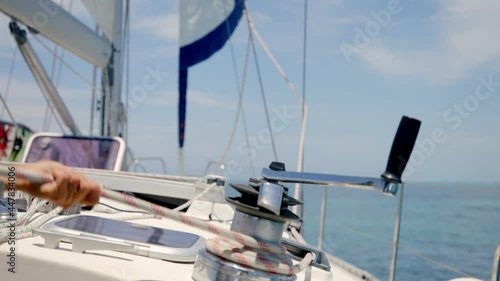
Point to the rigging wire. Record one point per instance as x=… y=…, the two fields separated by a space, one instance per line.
x=9 y=79
x=56 y=79
x=47 y=99
x=127 y=65
x=263 y=93
x=292 y=88
x=8 y=111
x=79 y=75
x=239 y=110
x=46 y=123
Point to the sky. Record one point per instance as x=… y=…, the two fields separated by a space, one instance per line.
x=368 y=63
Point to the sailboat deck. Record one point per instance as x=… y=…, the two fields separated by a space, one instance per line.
x=34 y=261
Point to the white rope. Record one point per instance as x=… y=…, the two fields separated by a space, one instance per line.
x=297 y=236
x=300 y=160
x=239 y=108
x=266 y=110
x=135 y=217
x=231 y=245
x=26 y=216
x=188 y=203
x=297 y=95
x=4 y=233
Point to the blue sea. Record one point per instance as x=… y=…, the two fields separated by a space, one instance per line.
x=455 y=224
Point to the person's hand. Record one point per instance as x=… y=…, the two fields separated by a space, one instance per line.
x=67 y=189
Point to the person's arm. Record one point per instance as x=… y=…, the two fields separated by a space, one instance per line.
x=67 y=189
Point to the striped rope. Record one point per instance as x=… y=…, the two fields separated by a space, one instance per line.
x=234 y=246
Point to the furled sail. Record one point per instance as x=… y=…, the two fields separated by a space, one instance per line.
x=205 y=26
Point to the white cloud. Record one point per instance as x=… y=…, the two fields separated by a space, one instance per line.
x=260 y=17
x=468 y=40
x=194 y=97
x=352 y=20
x=165 y=26
x=205 y=99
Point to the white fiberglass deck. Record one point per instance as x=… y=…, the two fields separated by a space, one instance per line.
x=34 y=262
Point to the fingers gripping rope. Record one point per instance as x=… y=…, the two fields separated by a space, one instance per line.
x=230 y=245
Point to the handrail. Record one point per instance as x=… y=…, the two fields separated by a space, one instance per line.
x=395 y=238
x=396 y=246
x=495 y=276
x=161 y=160
x=322 y=218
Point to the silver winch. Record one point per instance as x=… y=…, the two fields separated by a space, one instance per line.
x=262 y=213
x=262 y=209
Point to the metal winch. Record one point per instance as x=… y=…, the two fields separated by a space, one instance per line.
x=262 y=213
x=262 y=209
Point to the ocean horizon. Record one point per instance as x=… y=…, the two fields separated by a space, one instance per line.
x=448 y=229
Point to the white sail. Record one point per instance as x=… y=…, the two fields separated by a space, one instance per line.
x=103 y=13
x=199 y=17
x=56 y=24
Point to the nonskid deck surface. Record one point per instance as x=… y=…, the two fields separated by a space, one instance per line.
x=34 y=261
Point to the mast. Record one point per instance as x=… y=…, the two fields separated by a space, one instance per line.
x=114 y=112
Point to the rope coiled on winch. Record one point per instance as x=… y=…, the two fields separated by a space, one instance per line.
x=228 y=244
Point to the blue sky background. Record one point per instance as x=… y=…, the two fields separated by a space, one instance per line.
x=426 y=59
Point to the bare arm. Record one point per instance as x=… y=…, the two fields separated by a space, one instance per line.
x=67 y=189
